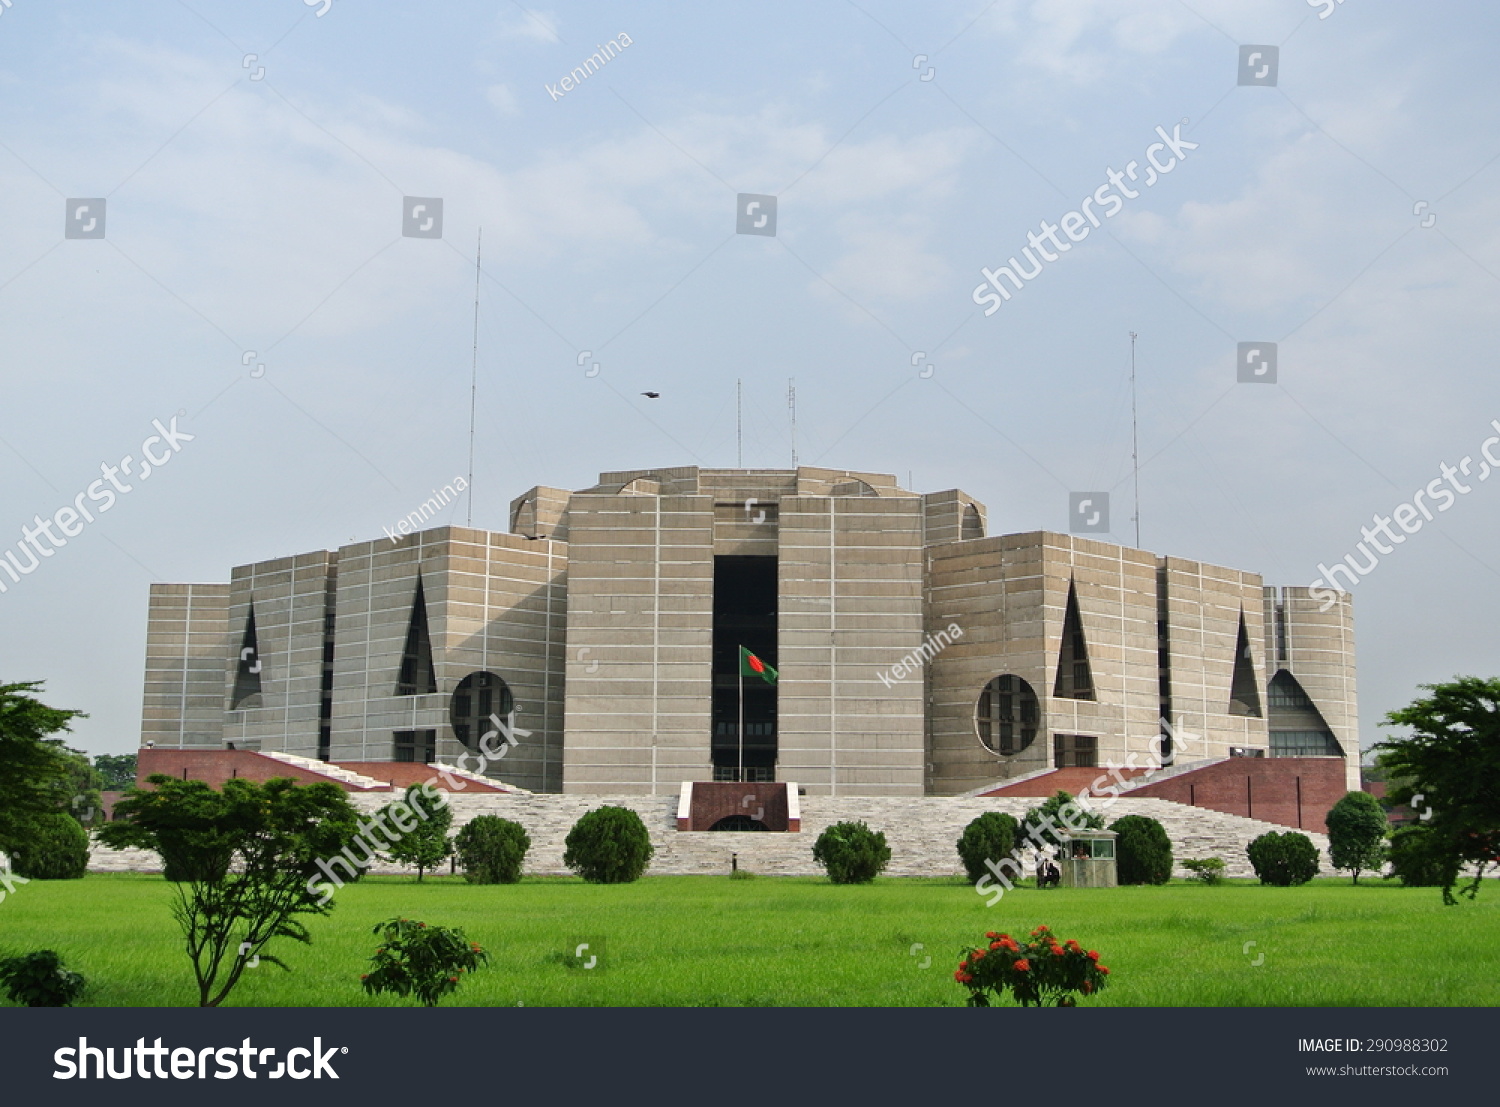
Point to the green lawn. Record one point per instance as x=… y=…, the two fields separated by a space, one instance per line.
x=710 y=941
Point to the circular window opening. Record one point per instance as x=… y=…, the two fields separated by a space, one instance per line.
x=478 y=697
x=1007 y=715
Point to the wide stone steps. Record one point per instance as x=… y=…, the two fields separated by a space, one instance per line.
x=921 y=832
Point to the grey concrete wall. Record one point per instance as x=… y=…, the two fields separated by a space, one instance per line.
x=187 y=639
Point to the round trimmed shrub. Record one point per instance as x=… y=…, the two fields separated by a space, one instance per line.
x=1143 y=852
x=990 y=837
x=1283 y=859
x=609 y=845
x=852 y=853
x=54 y=847
x=491 y=850
x=1357 y=834
x=1416 y=863
x=40 y=979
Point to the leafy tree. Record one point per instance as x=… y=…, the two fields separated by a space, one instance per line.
x=1416 y=863
x=1048 y=824
x=1451 y=760
x=1206 y=870
x=117 y=770
x=1143 y=852
x=609 y=845
x=78 y=794
x=1356 y=833
x=55 y=848
x=33 y=767
x=426 y=845
x=1283 y=859
x=989 y=837
x=491 y=850
x=251 y=858
x=852 y=853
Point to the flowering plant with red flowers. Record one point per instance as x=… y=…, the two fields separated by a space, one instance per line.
x=421 y=960
x=1040 y=971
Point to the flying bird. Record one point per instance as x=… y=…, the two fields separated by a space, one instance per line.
x=651 y=395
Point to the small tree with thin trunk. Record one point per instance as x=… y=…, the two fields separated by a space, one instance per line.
x=427 y=845
x=1356 y=834
x=246 y=860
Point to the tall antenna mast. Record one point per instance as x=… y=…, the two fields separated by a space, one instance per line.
x=739 y=424
x=791 y=403
x=1135 y=446
x=474 y=379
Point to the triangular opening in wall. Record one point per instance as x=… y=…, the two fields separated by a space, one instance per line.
x=1297 y=727
x=1075 y=679
x=418 y=676
x=1244 y=692
x=247 y=676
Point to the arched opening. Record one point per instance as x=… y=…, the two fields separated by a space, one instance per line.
x=739 y=822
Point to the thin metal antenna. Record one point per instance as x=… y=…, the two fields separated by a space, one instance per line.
x=1135 y=446
x=474 y=380
x=791 y=404
x=739 y=424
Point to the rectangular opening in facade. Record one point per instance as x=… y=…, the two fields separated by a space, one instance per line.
x=744 y=615
x=416 y=745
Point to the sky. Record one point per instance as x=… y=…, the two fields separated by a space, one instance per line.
x=257 y=272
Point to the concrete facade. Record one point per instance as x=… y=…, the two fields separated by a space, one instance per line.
x=917 y=656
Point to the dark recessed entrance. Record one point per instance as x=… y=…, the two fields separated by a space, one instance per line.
x=744 y=615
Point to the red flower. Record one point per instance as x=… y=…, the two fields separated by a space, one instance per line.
x=991 y=935
x=1057 y=951
x=996 y=945
x=962 y=977
x=1103 y=970
x=1022 y=965
x=978 y=954
x=1093 y=955
x=1087 y=988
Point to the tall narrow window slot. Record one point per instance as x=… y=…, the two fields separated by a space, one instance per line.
x=744 y=616
x=418 y=676
x=1075 y=680
x=247 y=676
x=1244 y=694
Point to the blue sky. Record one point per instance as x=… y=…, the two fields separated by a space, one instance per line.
x=254 y=218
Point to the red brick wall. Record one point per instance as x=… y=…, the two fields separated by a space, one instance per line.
x=403 y=774
x=1293 y=791
x=719 y=800
x=1070 y=780
x=214 y=767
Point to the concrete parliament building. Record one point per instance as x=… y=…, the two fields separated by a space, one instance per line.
x=917 y=655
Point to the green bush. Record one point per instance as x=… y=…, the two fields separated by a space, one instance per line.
x=1206 y=870
x=609 y=845
x=1416 y=860
x=1049 y=823
x=852 y=853
x=491 y=850
x=421 y=960
x=990 y=837
x=1356 y=834
x=1143 y=852
x=38 y=979
x=55 y=847
x=1283 y=859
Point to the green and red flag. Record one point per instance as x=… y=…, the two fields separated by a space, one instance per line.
x=750 y=665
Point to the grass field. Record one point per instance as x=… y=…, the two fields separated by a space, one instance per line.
x=710 y=941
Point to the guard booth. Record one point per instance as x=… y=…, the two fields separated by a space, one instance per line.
x=1087 y=859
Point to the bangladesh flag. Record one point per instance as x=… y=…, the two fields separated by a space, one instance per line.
x=750 y=665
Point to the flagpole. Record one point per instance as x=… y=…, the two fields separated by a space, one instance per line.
x=742 y=718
